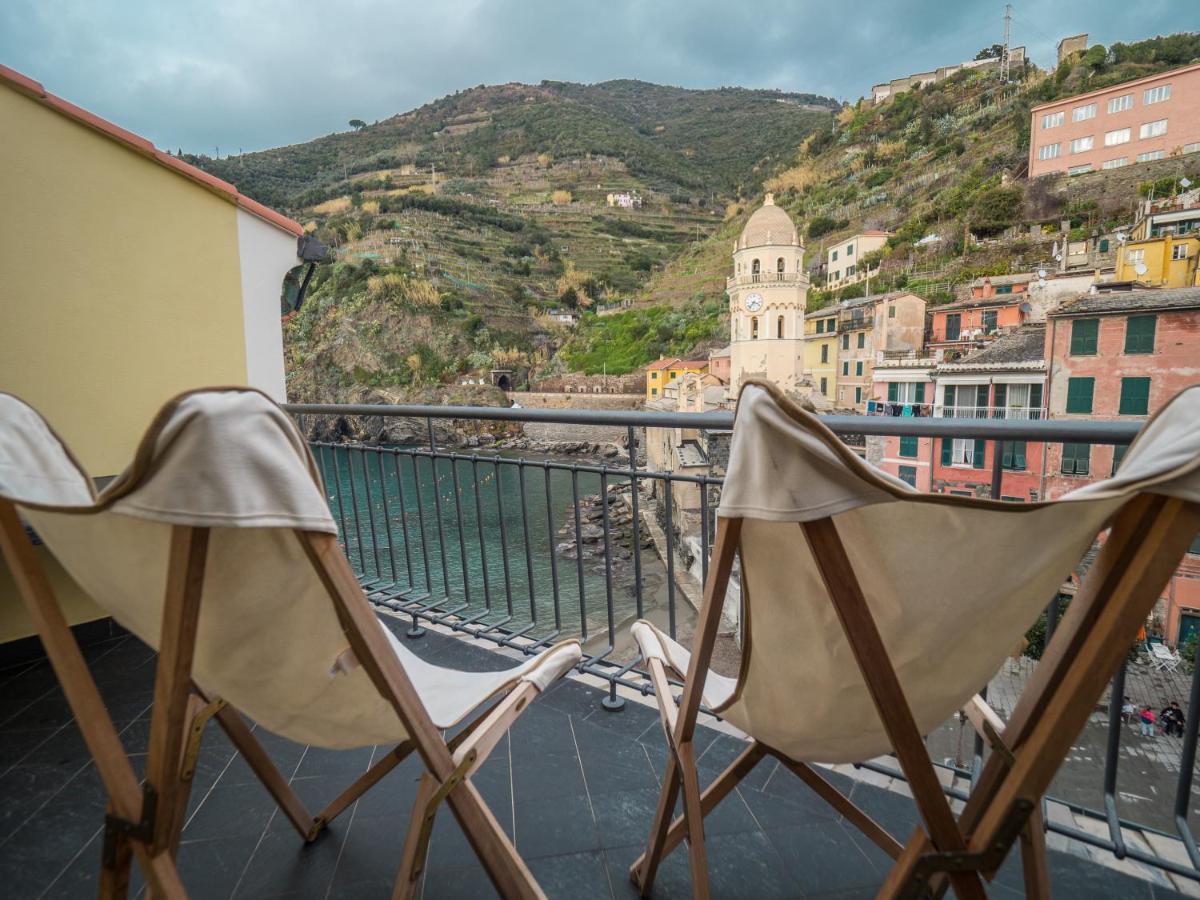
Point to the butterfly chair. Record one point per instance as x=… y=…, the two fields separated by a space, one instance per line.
x=216 y=548
x=872 y=613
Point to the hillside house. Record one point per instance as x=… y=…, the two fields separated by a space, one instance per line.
x=903 y=386
x=881 y=92
x=821 y=349
x=719 y=362
x=871 y=328
x=1163 y=249
x=1135 y=121
x=843 y=260
x=665 y=370
x=625 y=200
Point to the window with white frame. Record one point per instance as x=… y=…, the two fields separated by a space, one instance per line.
x=1083 y=113
x=906 y=392
x=1048 y=151
x=1053 y=120
x=1157 y=94
x=1191 y=148
x=1179 y=251
x=1118 y=136
x=1115 y=163
x=1153 y=129
x=1120 y=104
x=962 y=453
x=1080 y=170
x=1151 y=155
x=1082 y=145
x=1136 y=256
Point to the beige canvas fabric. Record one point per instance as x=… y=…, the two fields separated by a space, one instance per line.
x=952 y=583
x=268 y=640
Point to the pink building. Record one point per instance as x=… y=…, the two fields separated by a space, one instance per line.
x=719 y=364
x=1135 y=121
x=1121 y=356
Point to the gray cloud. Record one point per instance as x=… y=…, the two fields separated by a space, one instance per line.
x=251 y=74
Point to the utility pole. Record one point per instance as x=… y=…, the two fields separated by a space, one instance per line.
x=1004 y=60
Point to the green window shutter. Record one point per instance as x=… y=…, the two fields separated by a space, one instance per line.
x=845 y=368
x=908 y=446
x=845 y=342
x=1118 y=456
x=862 y=339
x=947 y=451
x=1076 y=459
x=858 y=368
x=977 y=455
x=1139 y=334
x=949 y=395
x=893 y=389
x=981 y=396
x=1001 y=396
x=1135 y=397
x=953 y=326
x=1079 y=394
x=1007 y=457
x=1014 y=456
x=920 y=392
x=1035 y=396
x=1084 y=335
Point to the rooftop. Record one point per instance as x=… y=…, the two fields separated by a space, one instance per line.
x=1025 y=347
x=573 y=784
x=34 y=90
x=1130 y=301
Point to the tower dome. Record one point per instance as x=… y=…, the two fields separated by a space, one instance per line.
x=768 y=225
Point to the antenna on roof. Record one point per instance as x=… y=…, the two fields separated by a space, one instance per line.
x=1004 y=59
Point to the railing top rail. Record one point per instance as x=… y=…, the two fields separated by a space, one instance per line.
x=1041 y=430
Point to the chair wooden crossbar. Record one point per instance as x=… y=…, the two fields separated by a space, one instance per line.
x=1148 y=537
x=144 y=820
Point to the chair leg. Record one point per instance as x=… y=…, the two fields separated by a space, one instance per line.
x=412 y=860
x=362 y=784
x=694 y=816
x=644 y=869
x=272 y=779
x=1033 y=858
x=507 y=870
x=116 y=860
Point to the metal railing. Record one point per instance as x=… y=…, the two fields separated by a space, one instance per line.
x=470 y=540
x=988 y=412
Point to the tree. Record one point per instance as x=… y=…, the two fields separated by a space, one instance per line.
x=993 y=52
x=357 y=124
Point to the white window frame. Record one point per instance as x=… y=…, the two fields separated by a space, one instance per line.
x=1135 y=255
x=1151 y=155
x=1120 y=104
x=1115 y=163
x=962 y=453
x=906 y=391
x=1083 y=144
x=1178 y=252
x=1152 y=129
x=1191 y=148
x=1049 y=151
x=1083 y=113
x=1118 y=136
x=1156 y=94
x=1053 y=120
x=1080 y=170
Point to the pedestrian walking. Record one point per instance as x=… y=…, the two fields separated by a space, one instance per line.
x=1148 y=721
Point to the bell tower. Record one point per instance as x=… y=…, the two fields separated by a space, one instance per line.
x=767 y=297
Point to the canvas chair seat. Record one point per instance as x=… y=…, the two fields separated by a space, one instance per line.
x=953 y=583
x=269 y=640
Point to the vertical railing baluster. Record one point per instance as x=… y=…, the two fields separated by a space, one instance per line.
x=583 y=622
x=1111 y=752
x=462 y=540
x=508 y=594
x=387 y=517
x=366 y=470
x=612 y=702
x=527 y=540
x=403 y=518
x=704 y=533
x=670 y=529
x=553 y=553
x=415 y=631
x=1187 y=763
x=437 y=505
x=631 y=437
x=483 y=562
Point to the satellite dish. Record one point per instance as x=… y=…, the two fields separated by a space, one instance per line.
x=1122 y=237
x=1092 y=290
x=1185 y=183
x=1042 y=274
x=1141 y=269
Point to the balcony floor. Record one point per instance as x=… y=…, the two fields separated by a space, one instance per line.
x=576 y=785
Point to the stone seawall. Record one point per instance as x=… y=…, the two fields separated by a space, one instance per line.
x=548 y=431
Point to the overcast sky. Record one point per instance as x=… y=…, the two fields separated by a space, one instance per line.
x=251 y=74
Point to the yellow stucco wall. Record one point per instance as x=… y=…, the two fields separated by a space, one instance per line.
x=120 y=282
x=1161 y=269
x=812 y=355
x=119 y=287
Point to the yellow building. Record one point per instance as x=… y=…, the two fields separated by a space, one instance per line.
x=1166 y=261
x=821 y=350
x=663 y=371
x=127 y=277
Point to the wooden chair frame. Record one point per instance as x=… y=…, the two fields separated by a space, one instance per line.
x=144 y=821
x=1149 y=536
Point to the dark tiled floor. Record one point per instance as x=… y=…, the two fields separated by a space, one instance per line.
x=574 y=784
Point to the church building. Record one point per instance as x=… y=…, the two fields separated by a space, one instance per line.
x=767 y=296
